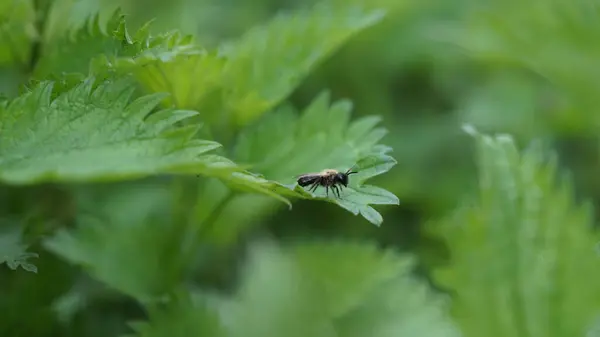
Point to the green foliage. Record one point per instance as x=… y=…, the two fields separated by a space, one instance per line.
x=71 y=54
x=292 y=291
x=268 y=62
x=284 y=145
x=185 y=317
x=508 y=33
x=16 y=31
x=149 y=163
x=97 y=133
x=174 y=57
x=13 y=252
x=519 y=252
x=245 y=77
x=147 y=244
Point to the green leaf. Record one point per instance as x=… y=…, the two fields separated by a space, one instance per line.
x=97 y=133
x=312 y=288
x=169 y=62
x=284 y=145
x=14 y=252
x=192 y=76
x=520 y=250
x=344 y=273
x=371 y=291
x=95 y=45
x=252 y=74
x=333 y=289
x=401 y=307
x=100 y=48
x=182 y=318
x=137 y=253
x=268 y=62
x=73 y=52
x=274 y=301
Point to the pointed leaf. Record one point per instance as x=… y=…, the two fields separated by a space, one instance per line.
x=282 y=146
x=520 y=248
x=96 y=133
x=14 y=252
x=268 y=62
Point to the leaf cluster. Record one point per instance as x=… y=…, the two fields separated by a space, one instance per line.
x=239 y=81
x=181 y=135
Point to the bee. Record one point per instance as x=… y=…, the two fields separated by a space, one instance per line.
x=327 y=178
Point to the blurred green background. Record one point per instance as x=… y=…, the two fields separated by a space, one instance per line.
x=524 y=68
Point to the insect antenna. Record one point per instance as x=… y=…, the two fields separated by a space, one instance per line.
x=350 y=170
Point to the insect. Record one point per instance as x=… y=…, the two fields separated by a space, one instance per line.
x=327 y=178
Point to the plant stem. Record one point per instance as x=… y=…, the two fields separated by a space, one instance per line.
x=42 y=9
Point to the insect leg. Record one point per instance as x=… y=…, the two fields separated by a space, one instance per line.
x=327 y=190
x=337 y=191
x=314 y=186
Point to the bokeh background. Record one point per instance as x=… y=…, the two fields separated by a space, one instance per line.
x=524 y=68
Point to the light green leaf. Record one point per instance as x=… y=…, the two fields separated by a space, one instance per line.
x=191 y=76
x=97 y=133
x=284 y=145
x=181 y=318
x=398 y=308
x=268 y=62
x=94 y=46
x=73 y=52
x=312 y=289
x=523 y=253
x=169 y=62
x=14 y=252
x=252 y=74
x=333 y=289
x=344 y=274
x=273 y=300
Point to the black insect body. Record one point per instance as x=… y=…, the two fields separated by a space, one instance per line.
x=327 y=178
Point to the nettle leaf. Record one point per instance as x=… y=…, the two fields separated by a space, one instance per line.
x=185 y=317
x=126 y=239
x=250 y=75
x=520 y=249
x=168 y=62
x=191 y=75
x=95 y=46
x=273 y=300
x=97 y=133
x=14 y=252
x=371 y=291
x=284 y=145
x=72 y=53
x=320 y=289
x=268 y=62
x=345 y=273
x=312 y=288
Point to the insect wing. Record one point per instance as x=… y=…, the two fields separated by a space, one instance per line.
x=308 y=179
